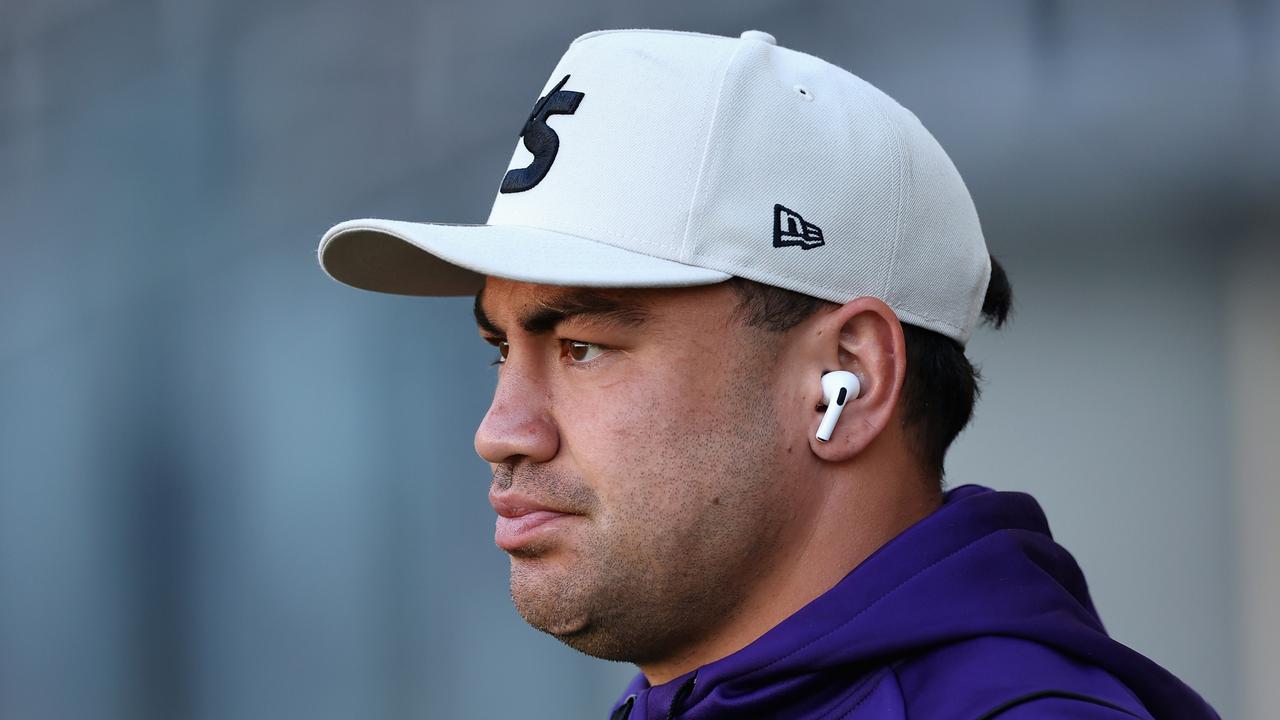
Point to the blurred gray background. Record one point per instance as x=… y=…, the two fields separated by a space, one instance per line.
x=231 y=488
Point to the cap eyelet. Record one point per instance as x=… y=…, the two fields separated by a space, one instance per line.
x=803 y=92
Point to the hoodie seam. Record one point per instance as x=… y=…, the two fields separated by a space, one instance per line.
x=1030 y=698
x=870 y=691
x=902 y=696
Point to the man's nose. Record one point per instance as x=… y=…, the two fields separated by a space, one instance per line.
x=518 y=424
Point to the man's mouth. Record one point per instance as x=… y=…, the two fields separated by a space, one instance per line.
x=512 y=533
x=522 y=519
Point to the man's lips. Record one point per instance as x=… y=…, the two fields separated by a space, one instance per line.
x=520 y=519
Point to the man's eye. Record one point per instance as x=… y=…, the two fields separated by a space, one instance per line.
x=583 y=351
x=503 y=348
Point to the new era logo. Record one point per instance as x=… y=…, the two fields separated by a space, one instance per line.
x=791 y=229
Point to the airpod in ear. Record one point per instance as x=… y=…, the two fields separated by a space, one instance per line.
x=838 y=388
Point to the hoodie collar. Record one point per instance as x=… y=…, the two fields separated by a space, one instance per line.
x=983 y=563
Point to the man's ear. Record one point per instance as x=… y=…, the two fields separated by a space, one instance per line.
x=864 y=337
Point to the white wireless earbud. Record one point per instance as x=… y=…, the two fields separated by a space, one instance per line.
x=838 y=388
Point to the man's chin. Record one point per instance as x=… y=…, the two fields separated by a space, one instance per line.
x=581 y=634
x=547 y=604
x=588 y=637
x=542 y=602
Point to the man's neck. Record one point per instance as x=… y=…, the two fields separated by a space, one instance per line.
x=847 y=526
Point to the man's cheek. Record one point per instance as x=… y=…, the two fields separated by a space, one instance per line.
x=623 y=408
x=605 y=437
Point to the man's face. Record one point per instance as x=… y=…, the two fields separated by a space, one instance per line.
x=649 y=416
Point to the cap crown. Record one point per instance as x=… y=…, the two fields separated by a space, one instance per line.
x=758 y=161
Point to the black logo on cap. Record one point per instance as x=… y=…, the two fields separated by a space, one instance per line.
x=791 y=229
x=540 y=139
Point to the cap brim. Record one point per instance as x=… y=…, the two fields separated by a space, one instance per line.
x=409 y=258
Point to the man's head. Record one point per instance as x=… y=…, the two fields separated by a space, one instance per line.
x=692 y=231
x=675 y=428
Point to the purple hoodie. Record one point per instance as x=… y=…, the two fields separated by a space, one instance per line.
x=972 y=612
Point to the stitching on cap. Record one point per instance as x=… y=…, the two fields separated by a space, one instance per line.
x=573 y=231
x=597 y=33
x=905 y=173
x=749 y=274
x=706 y=153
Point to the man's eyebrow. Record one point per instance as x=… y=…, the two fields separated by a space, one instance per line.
x=550 y=313
x=482 y=319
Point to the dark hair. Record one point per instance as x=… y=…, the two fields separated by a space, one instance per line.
x=941 y=385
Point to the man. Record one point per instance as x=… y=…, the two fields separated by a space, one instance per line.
x=693 y=233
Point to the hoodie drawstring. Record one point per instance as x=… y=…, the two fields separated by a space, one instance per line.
x=624 y=710
x=681 y=695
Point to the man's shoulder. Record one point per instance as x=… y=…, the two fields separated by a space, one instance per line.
x=1001 y=676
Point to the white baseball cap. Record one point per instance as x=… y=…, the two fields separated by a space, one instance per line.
x=657 y=158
